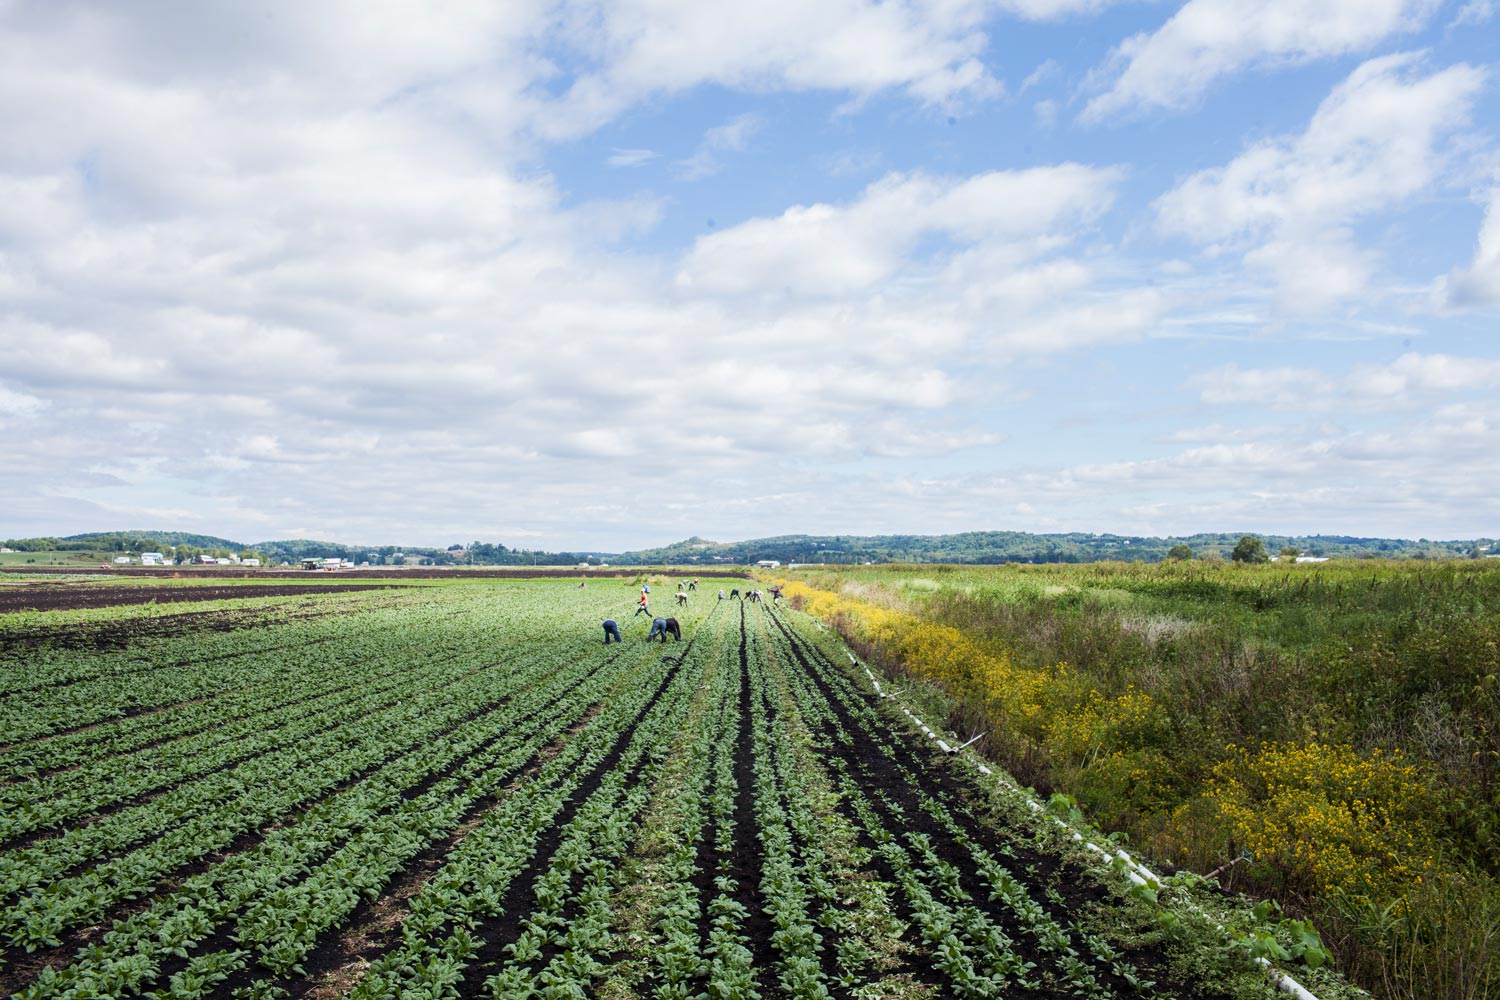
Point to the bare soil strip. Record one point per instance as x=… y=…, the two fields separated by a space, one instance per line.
x=70 y=596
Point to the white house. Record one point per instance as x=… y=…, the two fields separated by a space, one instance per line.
x=769 y=563
x=152 y=559
x=249 y=562
x=122 y=560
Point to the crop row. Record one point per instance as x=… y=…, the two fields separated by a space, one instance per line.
x=987 y=931
x=388 y=813
x=484 y=801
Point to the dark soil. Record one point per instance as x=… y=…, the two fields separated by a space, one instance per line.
x=68 y=596
x=394 y=573
x=872 y=765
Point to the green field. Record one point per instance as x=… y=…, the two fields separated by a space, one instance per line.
x=457 y=790
x=67 y=559
x=1326 y=734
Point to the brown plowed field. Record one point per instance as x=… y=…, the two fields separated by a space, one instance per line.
x=66 y=596
x=390 y=573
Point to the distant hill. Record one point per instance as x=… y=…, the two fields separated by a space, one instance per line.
x=974 y=547
x=135 y=539
x=1019 y=546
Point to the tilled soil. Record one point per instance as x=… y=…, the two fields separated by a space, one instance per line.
x=396 y=573
x=69 y=596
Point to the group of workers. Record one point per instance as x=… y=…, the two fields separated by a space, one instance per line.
x=661 y=626
x=753 y=596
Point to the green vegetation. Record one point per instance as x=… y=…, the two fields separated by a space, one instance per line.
x=1250 y=549
x=971 y=548
x=990 y=547
x=455 y=789
x=1326 y=733
x=75 y=559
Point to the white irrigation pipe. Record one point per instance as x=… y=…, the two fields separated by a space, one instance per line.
x=1134 y=870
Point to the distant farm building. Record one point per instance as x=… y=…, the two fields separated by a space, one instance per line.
x=152 y=559
x=769 y=563
x=122 y=560
x=249 y=562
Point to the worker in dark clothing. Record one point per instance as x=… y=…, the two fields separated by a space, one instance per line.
x=611 y=629
x=674 y=628
x=734 y=594
x=658 y=628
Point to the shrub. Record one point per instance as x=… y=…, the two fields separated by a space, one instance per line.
x=1324 y=820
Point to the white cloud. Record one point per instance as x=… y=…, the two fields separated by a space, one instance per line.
x=1474 y=13
x=641 y=48
x=1477 y=285
x=19 y=404
x=1290 y=202
x=1413 y=375
x=1108 y=318
x=829 y=250
x=1046 y=70
x=1411 y=379
x=1046 y=10
x=310 y=274
x=631 y=157
x=1299 y=388
x=1208 y=39
x=731 y=137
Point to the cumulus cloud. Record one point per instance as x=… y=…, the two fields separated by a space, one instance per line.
x=311 y=274
x=1289 y=203
x=824 y=249
x=1275 y=387
x=1478 y=284
x=1208 y=39
x=1414 y=375
x=637 y=49
x=1313 y=478
x=1410 y=379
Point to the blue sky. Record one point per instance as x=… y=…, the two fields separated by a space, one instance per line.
x=608 y=275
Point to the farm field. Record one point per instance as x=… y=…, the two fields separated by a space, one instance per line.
x=1326 y=734
x=456 y=790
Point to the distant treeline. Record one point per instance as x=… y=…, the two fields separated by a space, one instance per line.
x=183 y=547
x=973 y=548
x=989 y=547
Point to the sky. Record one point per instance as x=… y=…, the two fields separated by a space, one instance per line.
x=606 y=275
